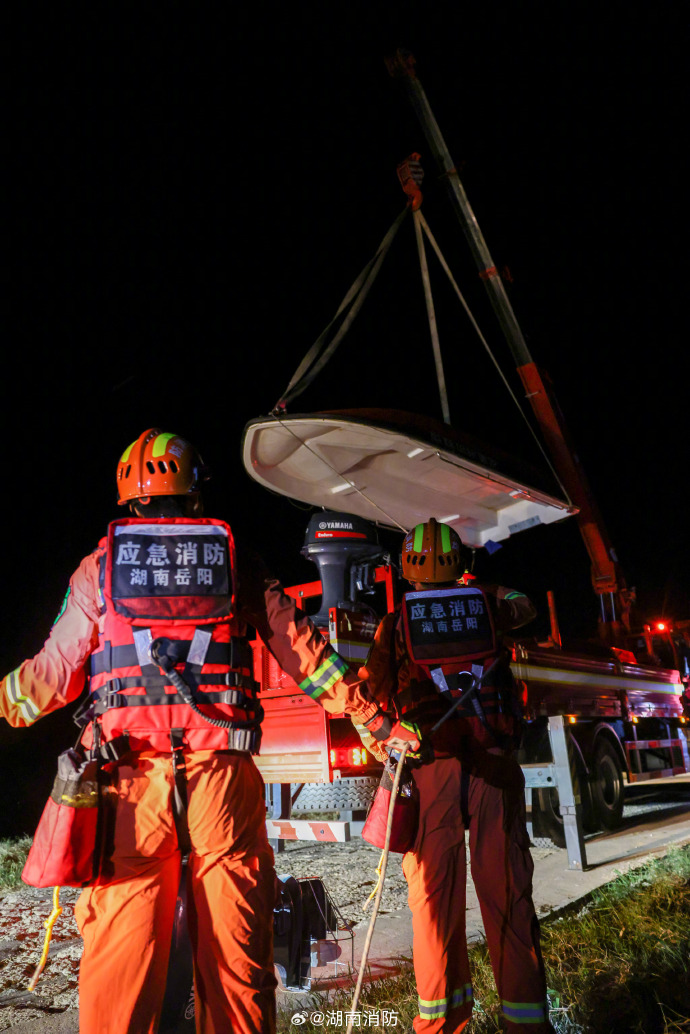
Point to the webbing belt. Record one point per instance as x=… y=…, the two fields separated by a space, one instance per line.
x=233 y=697
x=114 y=750
x=235 y=654
x=160 y=682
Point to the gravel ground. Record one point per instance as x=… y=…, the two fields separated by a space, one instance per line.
x=22 y=915
x=349 y=874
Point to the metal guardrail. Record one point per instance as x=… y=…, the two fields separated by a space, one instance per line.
x=560 y=775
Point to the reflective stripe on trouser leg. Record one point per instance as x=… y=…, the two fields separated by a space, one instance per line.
x=442 y=1006
x=525 y=1012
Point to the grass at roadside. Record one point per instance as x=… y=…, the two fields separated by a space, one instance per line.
x=619 y=964
x=12 y=858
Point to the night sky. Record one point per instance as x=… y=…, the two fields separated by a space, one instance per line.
x=191 y=193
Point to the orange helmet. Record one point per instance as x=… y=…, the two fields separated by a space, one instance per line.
x=432 y=552
x=159 y=464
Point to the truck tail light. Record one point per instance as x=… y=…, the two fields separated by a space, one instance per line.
x=348 y=757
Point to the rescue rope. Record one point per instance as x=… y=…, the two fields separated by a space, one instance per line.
x=419 y=219
x=366 y=904
x=49 y=924
x=379 y=891
x=334 y=471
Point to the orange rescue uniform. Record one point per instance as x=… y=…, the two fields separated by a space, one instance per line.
x=126 y=915
x=473 y=783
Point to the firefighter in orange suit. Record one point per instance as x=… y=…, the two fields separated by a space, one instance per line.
x=163 y=595
x=443 y=639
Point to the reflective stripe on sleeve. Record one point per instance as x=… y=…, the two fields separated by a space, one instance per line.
x=325 y=676
x=525 y=1012
x=26 y=707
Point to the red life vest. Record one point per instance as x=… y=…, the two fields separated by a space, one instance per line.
x=172 y=581
x=449 y=632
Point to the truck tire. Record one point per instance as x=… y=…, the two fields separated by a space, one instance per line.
x=354 y=794
x=548 y=820
x=607 y=787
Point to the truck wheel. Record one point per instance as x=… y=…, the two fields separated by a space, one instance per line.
x=608 y=793
x=550 y=822
x=354 y=794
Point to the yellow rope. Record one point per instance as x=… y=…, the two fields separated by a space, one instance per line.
x=371 y=897
x=49 y=924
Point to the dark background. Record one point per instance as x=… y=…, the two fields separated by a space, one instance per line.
x=190 y=194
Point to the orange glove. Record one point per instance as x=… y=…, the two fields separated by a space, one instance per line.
x=400 y=735
x=370 y=743
x=404 y=736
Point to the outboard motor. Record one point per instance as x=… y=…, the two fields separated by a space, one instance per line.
x=346 y=550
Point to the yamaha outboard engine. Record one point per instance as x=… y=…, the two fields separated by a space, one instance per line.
x=346 y=550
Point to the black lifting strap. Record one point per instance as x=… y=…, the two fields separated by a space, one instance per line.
x=180 y=791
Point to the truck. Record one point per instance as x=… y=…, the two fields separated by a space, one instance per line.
x=622 y=694
x=624 y=717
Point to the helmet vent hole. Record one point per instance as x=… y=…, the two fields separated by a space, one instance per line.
x=441 y=560
x=129 y=470
x=150 y=467
x=173 y=466
x=422 y=559
x=162 y=466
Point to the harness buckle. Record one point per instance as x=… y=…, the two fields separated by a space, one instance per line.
x=112 y=751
